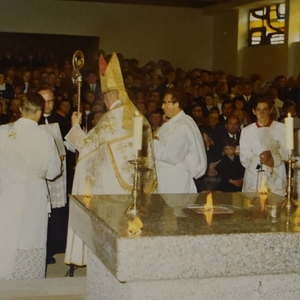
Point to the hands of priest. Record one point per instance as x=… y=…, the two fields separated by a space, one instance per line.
x=76 y=118
x=266 y=158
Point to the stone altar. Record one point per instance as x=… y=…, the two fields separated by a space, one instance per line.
x=252 y=253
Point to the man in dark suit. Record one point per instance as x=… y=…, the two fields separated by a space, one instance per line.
x=248 y=98
x=170 y=76
x=227 y=109
x=69 y=84
x=92 y=84
x=58 y=222
x=230 y=128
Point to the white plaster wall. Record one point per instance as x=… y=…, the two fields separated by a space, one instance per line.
x=181 y=35
x=226 y=42
x=293 y=37
x=269 y=61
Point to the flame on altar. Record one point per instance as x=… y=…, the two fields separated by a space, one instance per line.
x=208 y=208
x=135 y=226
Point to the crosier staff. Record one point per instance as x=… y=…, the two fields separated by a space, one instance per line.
x=78 y=62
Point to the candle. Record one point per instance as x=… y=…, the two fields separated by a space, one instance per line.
x=289 y=132
x=137 y=131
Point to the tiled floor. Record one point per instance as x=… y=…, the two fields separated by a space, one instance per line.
x=56 y=286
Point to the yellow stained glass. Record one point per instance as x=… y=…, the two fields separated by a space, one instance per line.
x=266 y=25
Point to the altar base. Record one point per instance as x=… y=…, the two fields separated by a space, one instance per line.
x=250 y=254
x=101 y=284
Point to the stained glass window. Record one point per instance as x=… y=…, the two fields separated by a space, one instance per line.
x=266 y=25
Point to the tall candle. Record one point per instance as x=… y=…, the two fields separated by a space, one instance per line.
x=289 y=132
x=137 y=131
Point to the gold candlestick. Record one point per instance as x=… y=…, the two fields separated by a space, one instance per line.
x=132 y=209
x=288 y=203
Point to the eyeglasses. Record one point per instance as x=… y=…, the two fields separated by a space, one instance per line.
x=166 y=102
x=49 y=101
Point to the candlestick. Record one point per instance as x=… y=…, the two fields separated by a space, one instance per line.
x=132 y=209
x=288 y=203
x=289 y=132
x=137 y=131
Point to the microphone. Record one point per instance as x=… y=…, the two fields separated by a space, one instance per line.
x=87 y=112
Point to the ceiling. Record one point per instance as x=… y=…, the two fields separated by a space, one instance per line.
x=178 y=3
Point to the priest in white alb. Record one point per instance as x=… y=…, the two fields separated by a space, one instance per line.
x=28 y=156
x=178 y=148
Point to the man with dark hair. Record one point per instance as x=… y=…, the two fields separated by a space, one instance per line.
x=28 y=156
x=248 y=98
x=229 y=128
x=14 y=110
x=156 y=119
x=227 y=109
x=229 y=168
x=262 y=148
x=169 y=75
x=92 y=84
x=178 y=148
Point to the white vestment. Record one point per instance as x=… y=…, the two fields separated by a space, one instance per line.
x=255 y=140
x=28 y=156
x=104 y=158
x=179 y=155
x=57 y=188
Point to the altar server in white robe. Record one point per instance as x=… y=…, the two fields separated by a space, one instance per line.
x=103 y=165
x=262 y=150
x=28 y=156
x=179 y=150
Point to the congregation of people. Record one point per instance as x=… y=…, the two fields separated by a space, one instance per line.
x=210 y=97
x=208 y=130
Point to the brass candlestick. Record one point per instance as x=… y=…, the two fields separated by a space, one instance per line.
x=132 y=209
x=288 y=203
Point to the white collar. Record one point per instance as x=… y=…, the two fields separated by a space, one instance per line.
x=115 y=104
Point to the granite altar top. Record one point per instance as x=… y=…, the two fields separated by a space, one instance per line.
x=170 y=215
x=176 y=242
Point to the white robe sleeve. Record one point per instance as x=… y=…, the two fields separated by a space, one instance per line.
x=173 y=149
x=75 y=137
x=248 y=158
x=54 y=165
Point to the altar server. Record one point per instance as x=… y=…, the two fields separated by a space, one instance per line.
x=178 y=148
x=262 y=149
x=28 y=156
